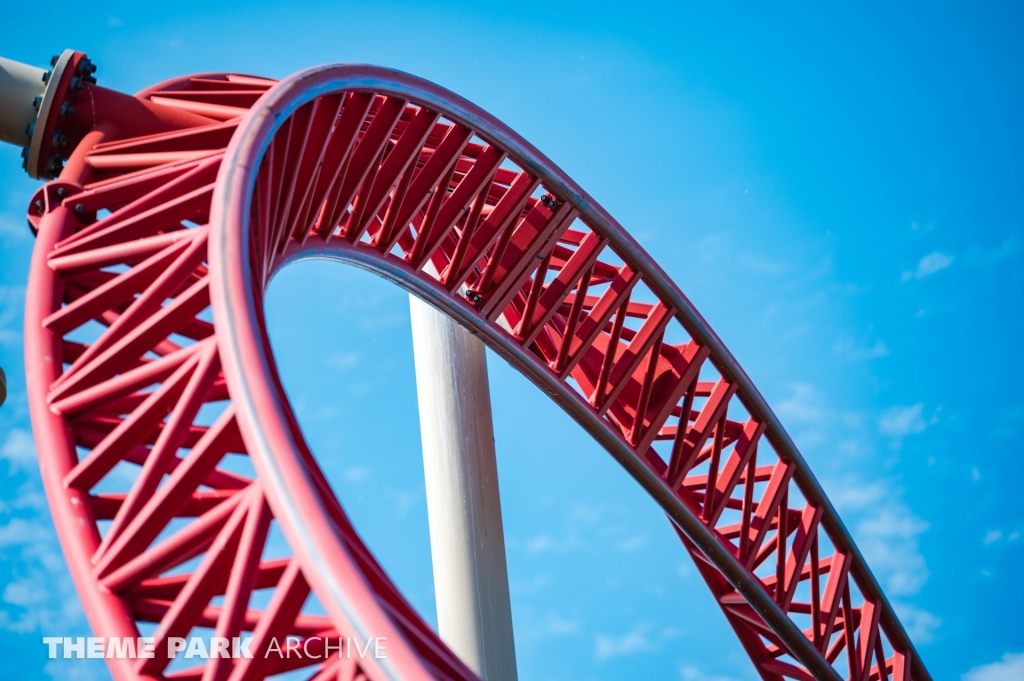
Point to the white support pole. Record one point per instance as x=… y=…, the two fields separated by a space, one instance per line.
x=467 y=542
x=20 y=85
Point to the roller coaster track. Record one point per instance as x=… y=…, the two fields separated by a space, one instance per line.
x=151 y=377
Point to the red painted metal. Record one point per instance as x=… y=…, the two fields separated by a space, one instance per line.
x=147 y=233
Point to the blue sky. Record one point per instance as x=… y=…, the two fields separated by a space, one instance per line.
x=836 y=187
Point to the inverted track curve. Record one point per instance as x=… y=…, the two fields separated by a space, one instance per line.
x=151 y=377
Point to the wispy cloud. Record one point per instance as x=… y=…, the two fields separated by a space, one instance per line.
x=632 y=543
x=759 y=265
x=854 y=352
x=991 y=537
x=373 y=323
x=887 y=532
x=357 y=474
x=888 y=538
x=690 y=673
x=639 y=640
x=20 y=532
x=996 y=536
x=18 y=451
x=900 y=421
x=13 y=229
x=12 y=301
x=38 y=597
x=803 y=404
x=885 y=527
x=636 y=641
x=919 y=623
x=343 y=362
x=1010 y=247
x=1010 y=668
x=928 y=265
x=559 y=626
x=545 y=543
x=405 y=501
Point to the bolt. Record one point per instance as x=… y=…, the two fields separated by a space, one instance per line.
x=37 y=102
x=46 y=76
x=61 y=193
x=24 y=152
x=85 y=69
x=30 y=130
x=59 y=138
x=54 y=59
x=75 y=85
x=66 y=110
x=79 y=209
x=475 y=297
x=39 y=206
x=54 y=164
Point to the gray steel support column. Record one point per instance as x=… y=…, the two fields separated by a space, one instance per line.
x=467 y=542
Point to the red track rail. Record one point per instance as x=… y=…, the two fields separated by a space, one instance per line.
x=142 y=237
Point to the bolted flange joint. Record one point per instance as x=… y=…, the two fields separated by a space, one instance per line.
x=35 y=101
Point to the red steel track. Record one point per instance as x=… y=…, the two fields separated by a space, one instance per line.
x=150 y=376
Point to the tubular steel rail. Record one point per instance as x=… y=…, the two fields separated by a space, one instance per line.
x=151 y=375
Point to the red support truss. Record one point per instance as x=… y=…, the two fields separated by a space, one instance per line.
x=150 y=373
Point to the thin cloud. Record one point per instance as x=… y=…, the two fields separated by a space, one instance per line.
x=1009 y=248
x=759 y=265
x=901 y=421
x=18 y=451
x=1010 y=668
x=887 y=532
x=639 y=640
x=853 y=352
x=929 y=265
x=632 y=643
x=12 y=299
x=633 y=543
x=357 y=474
x=404 y=501
x=343 y=362
x=558 y=626
x=19 y=531
x=690 y=673
x=804 y=405
x=981 y=256
x=919 y=623
x=888 y=539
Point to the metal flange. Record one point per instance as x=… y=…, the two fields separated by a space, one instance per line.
x=33 y=102
x=70 y=70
